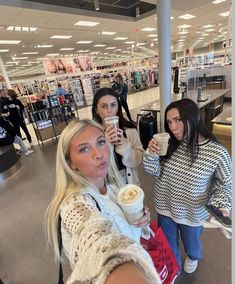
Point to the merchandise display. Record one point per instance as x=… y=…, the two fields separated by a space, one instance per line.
x=50 y=116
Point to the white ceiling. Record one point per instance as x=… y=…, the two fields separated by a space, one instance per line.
x=53 y=20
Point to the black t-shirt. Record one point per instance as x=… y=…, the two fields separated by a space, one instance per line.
x=15 y=108
x=7 y=132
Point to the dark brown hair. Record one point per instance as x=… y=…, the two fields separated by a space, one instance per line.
x=12 y=93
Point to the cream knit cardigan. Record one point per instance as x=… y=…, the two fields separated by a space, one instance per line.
x=95 y=242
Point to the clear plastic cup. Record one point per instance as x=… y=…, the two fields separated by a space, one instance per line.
x=162 y=141
x=111 y=120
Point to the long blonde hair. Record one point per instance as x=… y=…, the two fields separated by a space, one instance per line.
x=68 y=181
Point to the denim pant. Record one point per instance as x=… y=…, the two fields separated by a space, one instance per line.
x=190 y=237
x=19 y=141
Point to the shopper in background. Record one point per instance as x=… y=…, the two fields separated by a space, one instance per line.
x=13 y=111
x=196 y=171
x=98 y=240
x=128 y=150
x=121 y=88
x=60 y=91
x=3 y=99
x=8 y=136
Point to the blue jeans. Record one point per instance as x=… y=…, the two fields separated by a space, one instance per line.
x=190 y=237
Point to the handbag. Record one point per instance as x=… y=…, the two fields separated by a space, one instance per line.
x=161 y=253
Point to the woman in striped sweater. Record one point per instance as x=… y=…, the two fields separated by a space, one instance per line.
x=195 y=171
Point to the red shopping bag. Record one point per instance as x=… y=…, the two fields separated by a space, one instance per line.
x=161 y=253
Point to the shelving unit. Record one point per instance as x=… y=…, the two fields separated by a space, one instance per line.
x=49 y=121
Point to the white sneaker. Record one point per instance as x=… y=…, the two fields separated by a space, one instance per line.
x=28 y=152
x=190 y=265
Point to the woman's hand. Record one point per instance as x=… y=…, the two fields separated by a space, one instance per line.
x=153 y=147
x=114 y=135
x=144 y=220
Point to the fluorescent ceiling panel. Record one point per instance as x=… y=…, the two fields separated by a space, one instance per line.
x=44 y=45
x=225 y=14
x=61 y=36
x=32 y=52
x=207 y=26
x=100 y=45
x=20 y=58
x=187 y=17
x=108 y=33
x=67 y=48
x=84 y=41
x=86 y=23
x=148 y=29
x=218 y=1
x=2 y=41
x=120 y=38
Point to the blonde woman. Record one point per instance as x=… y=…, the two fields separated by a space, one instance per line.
x=101 y=245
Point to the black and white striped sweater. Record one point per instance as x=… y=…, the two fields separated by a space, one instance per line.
x=181 y=190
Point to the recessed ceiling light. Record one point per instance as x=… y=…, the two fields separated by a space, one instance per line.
x=10 y=41
x=21 y=29
x=84 y=41
x=110 y=47
x=153 y=35
x=218 y=1
x=183 y=26
x=67 y=48
x=148 y=29
x=20 y=58
x=172 y=18
x=52 y=54
x=100 y=45
x=155 y=39
x=86 y=23
x=120 y=38
x=182 y=32
x=33 y=52
x=4 y=50
x=43 y=45
x=83 y=50
x=225 y=14
x=209 y=30
x=61 y=36
x=129 y=42
x=108 y=33
x=186 y=16
x=207 y=26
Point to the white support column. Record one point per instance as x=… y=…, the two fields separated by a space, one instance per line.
x=164 y=51
x=4 y=74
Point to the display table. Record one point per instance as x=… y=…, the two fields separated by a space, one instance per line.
x=9 y=162
x=209 y=109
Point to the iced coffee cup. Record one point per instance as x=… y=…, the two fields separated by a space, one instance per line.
x=111 y=120
x=131 y=200
x=162 y=141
